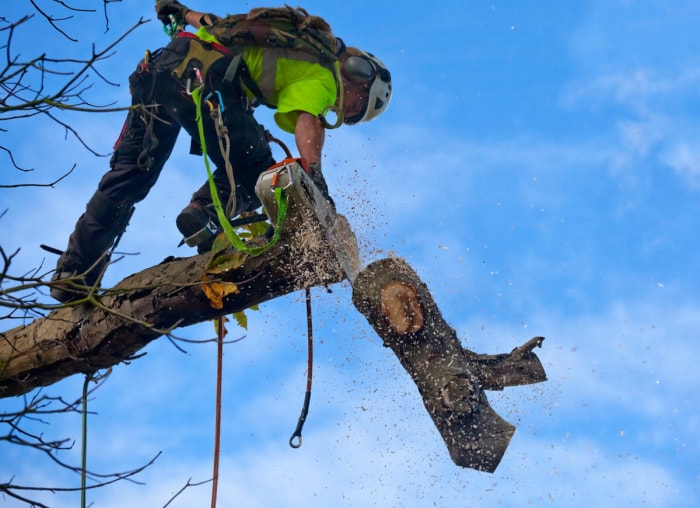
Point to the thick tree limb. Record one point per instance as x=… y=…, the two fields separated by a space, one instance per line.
x=449 y=378
x=143 y=306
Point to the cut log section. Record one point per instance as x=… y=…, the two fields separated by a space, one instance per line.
x=450 y=379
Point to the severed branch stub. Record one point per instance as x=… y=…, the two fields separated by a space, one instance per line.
x=450 y=379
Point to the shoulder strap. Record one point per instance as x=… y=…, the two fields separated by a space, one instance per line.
x=237 y=69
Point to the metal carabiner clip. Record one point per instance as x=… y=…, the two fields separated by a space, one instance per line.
x=218 y=107
x=339 y=118
x=276 y=177
x=172 y=28
x=188 y=87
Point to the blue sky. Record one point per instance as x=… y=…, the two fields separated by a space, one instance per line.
x=538 y=167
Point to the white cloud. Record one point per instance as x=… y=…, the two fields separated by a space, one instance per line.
x=683 y=157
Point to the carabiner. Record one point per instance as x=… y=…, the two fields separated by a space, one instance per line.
x=188 y=87
x=276 y=177
x=218 y=107
x=339 y=118
x=172 y=28
x=221 y=100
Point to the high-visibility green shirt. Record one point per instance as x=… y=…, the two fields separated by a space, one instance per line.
x=298 y=85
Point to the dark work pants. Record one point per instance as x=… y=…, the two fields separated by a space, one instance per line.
x=146 y=141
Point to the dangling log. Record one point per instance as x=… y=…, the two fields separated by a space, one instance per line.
x=450 y=379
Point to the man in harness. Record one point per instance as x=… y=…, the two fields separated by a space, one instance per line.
x=234 y=70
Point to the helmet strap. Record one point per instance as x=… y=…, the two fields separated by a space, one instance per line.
x=338 y=107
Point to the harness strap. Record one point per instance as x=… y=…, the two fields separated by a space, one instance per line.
x=219 y=47
x=232 y=69
x=237 y=69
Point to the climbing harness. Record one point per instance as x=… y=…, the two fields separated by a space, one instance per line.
x=283 y=32
x=280 y=196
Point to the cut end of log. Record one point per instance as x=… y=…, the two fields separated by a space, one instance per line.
x=480 y=440
x=401 y=308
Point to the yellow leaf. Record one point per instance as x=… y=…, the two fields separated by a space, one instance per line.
x=216 y=291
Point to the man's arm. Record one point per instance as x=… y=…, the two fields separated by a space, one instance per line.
x=309 y=135
x=198 y=19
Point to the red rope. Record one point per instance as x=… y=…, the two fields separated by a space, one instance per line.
x=221 y=333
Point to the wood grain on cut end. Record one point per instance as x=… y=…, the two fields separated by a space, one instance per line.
x=402 y=308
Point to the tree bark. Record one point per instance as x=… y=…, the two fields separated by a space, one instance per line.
x=450 y=379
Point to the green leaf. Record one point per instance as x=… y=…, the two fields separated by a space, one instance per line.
x=241 y=319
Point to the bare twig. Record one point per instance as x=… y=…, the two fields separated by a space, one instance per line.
x=50 y=184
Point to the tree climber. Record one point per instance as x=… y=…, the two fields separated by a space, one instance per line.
x=301 y=78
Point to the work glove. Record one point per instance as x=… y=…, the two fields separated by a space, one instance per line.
x=167 y=8
x=314 y=171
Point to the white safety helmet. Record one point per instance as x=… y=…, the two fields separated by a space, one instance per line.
x=366 y=69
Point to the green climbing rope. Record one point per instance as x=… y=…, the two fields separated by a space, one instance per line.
x=83 y=461
x=280 y=195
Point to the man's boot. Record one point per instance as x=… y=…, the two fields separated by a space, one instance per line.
x=197 y=226
x=70 y=283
